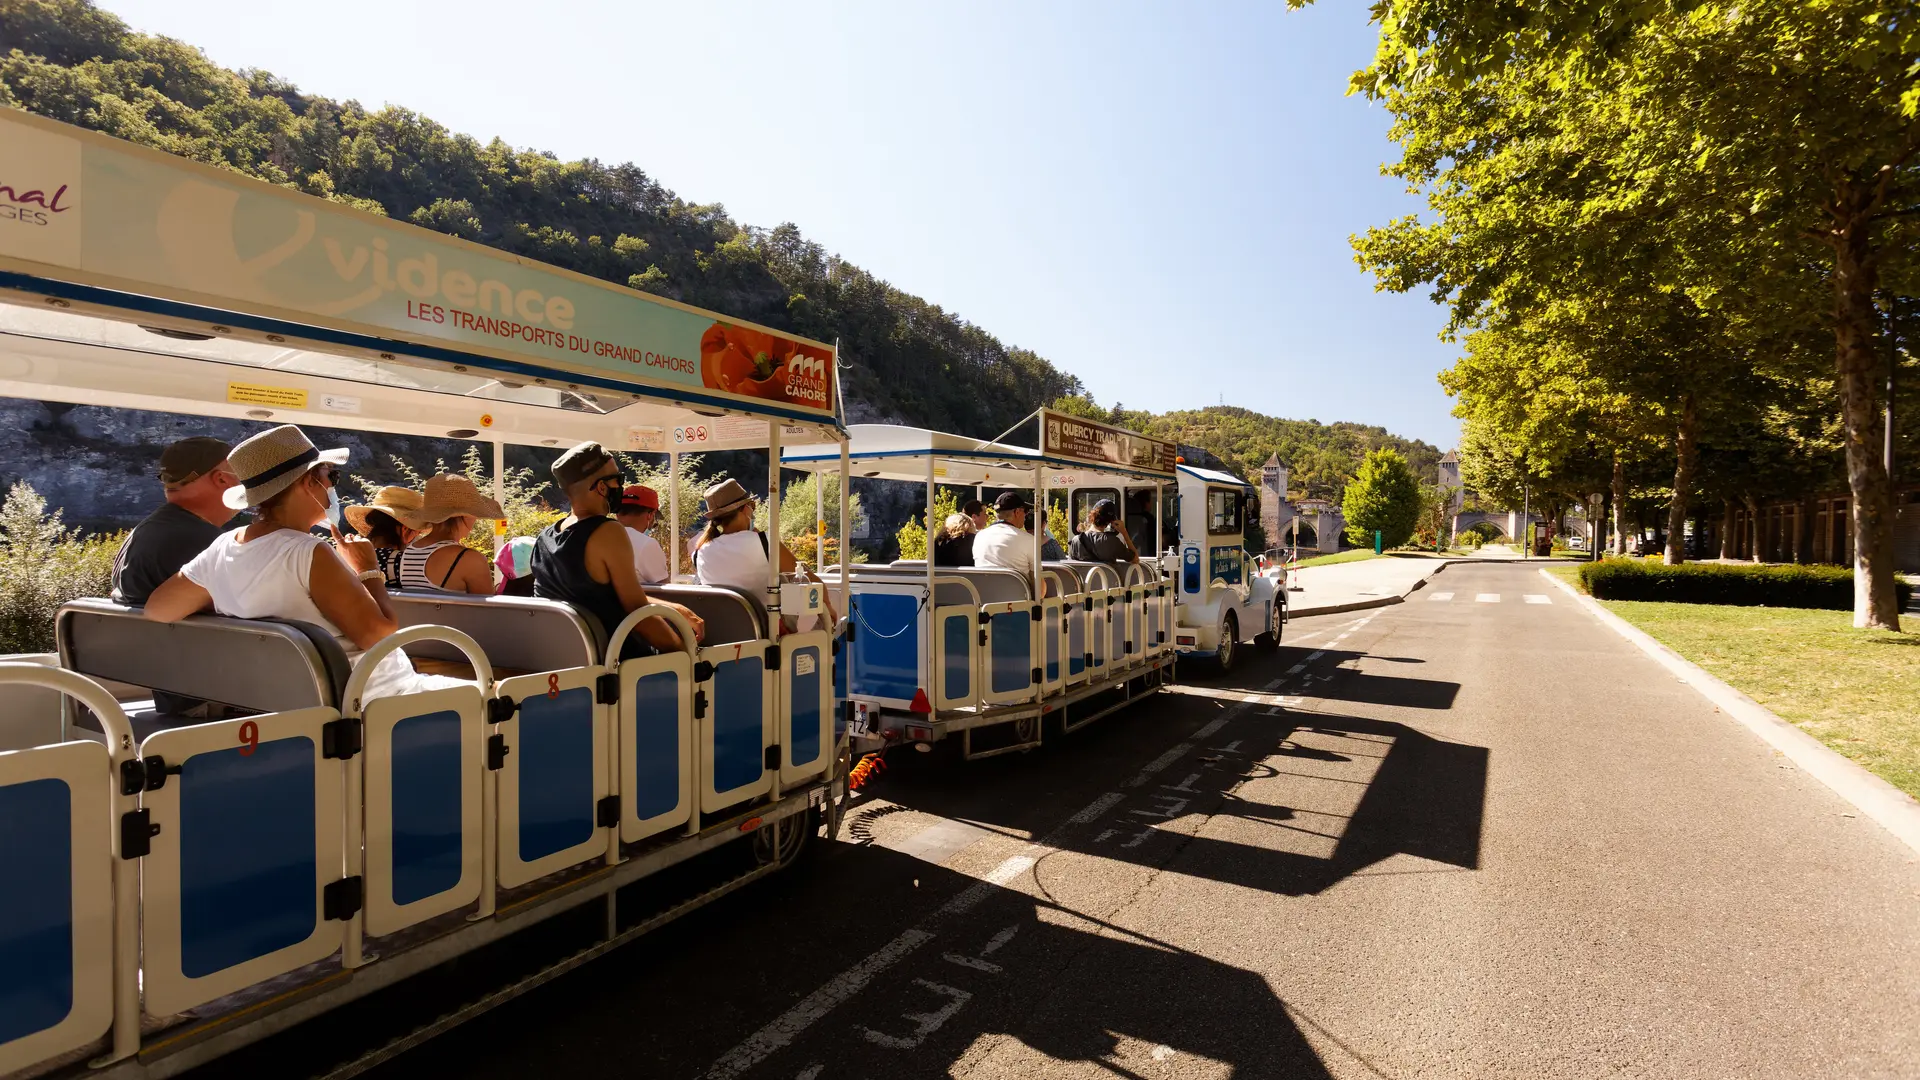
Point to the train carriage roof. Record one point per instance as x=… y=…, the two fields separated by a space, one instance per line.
x=894 y=452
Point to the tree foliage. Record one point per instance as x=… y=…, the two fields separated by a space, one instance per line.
x=1384 y=497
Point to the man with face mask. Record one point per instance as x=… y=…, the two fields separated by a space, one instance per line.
x=195 y=474
x=586 y=560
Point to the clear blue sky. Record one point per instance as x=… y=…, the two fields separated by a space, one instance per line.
x=1157 y=198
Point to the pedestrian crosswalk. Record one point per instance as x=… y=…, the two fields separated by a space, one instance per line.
x=1490 y=598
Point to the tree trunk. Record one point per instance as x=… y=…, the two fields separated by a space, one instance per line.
x=1619 y=506
x=1686 y=450
x=1726 y=529
x=1755 y=553
x=1857 y=363
x=1803 y=532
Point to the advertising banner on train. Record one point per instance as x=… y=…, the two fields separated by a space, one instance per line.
x=1102 y=444
x=127 y=218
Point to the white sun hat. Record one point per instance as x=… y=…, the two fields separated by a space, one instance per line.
x=271 y=461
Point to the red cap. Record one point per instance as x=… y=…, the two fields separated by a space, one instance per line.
x=642 y=496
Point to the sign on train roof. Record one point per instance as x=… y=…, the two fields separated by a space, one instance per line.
x=110 y=214
x=1067 y=436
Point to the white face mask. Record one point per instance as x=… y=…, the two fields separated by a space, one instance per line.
x=334 y=509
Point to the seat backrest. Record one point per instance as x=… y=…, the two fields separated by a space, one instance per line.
x=521 y=633
x=946 y=589
x=730 y=614
x=267 y=665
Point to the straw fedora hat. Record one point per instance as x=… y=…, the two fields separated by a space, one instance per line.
x=724 y=498
x=399 y=503
x=271 y=461
x=450 y=495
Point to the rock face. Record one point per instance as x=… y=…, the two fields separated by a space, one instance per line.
x=98 y=465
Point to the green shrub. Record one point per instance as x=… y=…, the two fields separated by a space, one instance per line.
x=1828 y=587
x=44 y=564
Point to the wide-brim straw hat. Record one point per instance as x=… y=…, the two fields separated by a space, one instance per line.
x=399 y=503
x=271 y=461
x=724 y=498
x=450 y=495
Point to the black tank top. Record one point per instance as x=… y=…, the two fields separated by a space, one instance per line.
x=560 y=573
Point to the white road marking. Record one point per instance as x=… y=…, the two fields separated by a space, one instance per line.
x=973 y=962
x=924 y=1024
x=1208 y=729
x=999 y=940
x=1537 y=598
x=1094 y=810
x=1161 y=762
x=811 y=1072
x=762 y=1044
x=1296 y=669
x=1487 y=598
x=1315 y=655
x=1440 y=597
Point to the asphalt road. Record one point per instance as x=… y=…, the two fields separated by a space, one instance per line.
x=1450 y=838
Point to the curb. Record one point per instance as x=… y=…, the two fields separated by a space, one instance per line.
x=1379 y=601
x=1893 y=809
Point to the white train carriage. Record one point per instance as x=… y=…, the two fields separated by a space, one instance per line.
x=1224 y=599
x=987 y=654
x=174 y=891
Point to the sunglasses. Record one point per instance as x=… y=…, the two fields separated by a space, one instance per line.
x=328 y=474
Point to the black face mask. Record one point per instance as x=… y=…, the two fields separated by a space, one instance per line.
x=617 y=498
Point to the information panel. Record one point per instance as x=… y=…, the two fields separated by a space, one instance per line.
x=1103 y=444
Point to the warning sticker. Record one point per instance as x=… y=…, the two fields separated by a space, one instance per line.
x=804 y=664
x=283 y=397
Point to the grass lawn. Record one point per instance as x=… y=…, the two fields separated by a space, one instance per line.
x=1858 y=691
x=1346 y=556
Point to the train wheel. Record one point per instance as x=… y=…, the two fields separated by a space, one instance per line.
x=1270 y=639
x=1229 y=644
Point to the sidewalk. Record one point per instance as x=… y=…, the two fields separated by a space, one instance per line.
x=1355 y=585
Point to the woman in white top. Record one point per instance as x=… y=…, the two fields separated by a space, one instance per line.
x=437 y=559
x=730 y=551
x=276 y=569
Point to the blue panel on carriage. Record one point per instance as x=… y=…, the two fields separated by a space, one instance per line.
x=426 y=806
x=1011 y=665
x=840 y=665
x=886 y=645
x=739 y=703
x=1053 y=650
x=804 y=700
x=247 y=859
x=555 y=758
x=656 y=744
x=956 y=638
x=36 y=907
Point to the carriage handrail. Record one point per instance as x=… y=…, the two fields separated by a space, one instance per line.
x=689 y=644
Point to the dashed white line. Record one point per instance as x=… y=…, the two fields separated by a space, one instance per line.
x=1440 y=597
x=1208 y=729
x=1487 y=598
x=1179 y=751
x=1537 y=598
x=1094 y=810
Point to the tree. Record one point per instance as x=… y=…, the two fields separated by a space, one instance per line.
x=1384 y=497
x=912 y=536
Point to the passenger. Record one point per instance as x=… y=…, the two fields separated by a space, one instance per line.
x=953 y=546
x=1006 y=543
x=639 y=509
x=1140 y=528
x=730 y=551
x=578 y=562
x=438 y=559
x=276 y=569
x=195 y=474
x=1100 y=541
x=515 y=563
x=976 y=512
x=390 y=522
x=1049 y=546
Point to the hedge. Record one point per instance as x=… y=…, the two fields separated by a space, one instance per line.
x=1829 y=587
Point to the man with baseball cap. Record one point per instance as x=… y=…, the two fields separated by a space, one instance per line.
x=639 y=508
x=579 y=561
x=195 y=475
x=1006 y=543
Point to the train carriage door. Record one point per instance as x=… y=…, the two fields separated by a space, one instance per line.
x=738 y=725
x=1011 y=654
x=806 y=731
x=957 y=665
x=656 y=744
x=1075 y=618
x=554 y=774
x=1053 y=644
x=243 y=881
x=425 y=759
x=56 y=910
